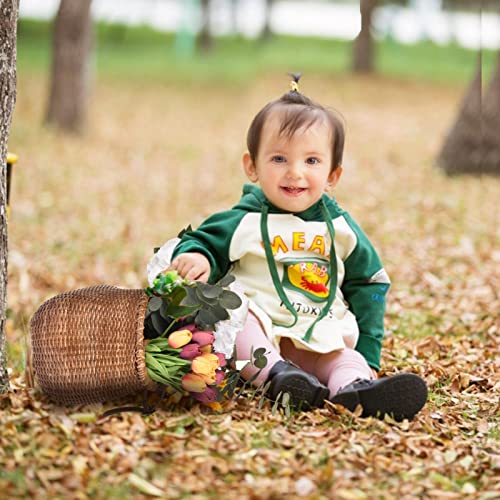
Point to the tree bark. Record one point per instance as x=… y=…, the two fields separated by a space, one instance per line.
x=473 y=144
x=8 y=32
x=267 y=33
x=72 y=42
x=205 y=40
x=490 y=161
x=363 y=50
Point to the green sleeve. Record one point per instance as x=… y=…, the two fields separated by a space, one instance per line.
x=364 y=288
x=212 y=239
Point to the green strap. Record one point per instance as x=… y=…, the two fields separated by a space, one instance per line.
x=333 y=272
x=277 y=282
x=272 y=267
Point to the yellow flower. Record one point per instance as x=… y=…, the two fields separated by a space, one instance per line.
x=215 y=406
x=205 y=366
x=206 y=349
x=179 y=338
x=193 y=383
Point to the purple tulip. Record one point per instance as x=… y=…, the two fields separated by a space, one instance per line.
x=203 y=338
x=222 y=359
x=219 y=377
x=190 y=351
x=209 y=395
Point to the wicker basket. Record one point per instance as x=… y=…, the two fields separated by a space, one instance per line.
x=87 y=345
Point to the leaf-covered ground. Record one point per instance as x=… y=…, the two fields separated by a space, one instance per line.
x=156 y=157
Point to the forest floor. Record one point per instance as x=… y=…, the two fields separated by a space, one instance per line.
x=156 y=157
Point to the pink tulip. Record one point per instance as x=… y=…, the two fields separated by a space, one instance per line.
x=193 y=383
x=222 y=359
x=219 y=377
x=190 y=351
x=203 y=338
x=209 y=395
x=179 y=338
x=191 y=327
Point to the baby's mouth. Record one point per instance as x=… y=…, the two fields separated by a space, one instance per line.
x=293 y=190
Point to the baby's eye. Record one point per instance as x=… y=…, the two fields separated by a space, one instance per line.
x=312 y=161
x=278 y=159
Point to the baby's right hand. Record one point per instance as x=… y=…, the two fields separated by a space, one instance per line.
x=193 y=266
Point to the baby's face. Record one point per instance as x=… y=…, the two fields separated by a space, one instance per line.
x=293 y=172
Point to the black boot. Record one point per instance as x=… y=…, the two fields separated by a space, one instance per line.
x=401 y=396
x=305 y=390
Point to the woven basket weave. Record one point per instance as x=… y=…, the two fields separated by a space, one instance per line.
x=87 y=345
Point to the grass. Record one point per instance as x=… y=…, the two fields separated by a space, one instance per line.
x=139 y=53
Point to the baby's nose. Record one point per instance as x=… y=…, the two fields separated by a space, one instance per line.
x=294 y=171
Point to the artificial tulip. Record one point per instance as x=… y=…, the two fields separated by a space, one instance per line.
x=179 y=338
x=193 y=383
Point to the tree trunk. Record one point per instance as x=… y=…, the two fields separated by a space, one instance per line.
x=490 y=161
x=462 y=149
x=205 y=41
x=8 y=31
x=363 y=50
x=70 y=65
x=266 y=30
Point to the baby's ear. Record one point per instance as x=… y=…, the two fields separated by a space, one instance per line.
x=249 y=167
x=334 y=177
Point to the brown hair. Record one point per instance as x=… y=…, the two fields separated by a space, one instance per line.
x=297 y=111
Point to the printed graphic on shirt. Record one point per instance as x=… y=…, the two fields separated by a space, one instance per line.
x=310 y=277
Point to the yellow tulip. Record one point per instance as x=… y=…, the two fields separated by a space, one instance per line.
x=193 y=383
x=179 y=338
x=205 y=363
x=205 y=366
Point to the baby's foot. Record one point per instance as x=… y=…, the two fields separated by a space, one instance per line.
x=305 y=390
x=401 y=396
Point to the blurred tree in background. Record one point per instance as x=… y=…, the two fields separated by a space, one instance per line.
x=363 y=48
x=72 y=42
x=461 y=151
x=8 y=33
x=266 y=30
x=491 y=124
x=205 y=39
x=473 y=143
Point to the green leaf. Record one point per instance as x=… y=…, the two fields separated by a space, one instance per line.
x=209 y=291
x=191 y=298
x=154 y=303
x=260 y=362
x=159 y=324
x=259 y=352
x=163 y=310
x=203 y=299
x=226 y=280
x=219 y=312
x=230 y=300
x=177 y=294
x=180 y=311
x=152 y=348
x=205 y=319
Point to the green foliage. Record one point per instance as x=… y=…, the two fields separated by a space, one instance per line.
x=174 y=299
